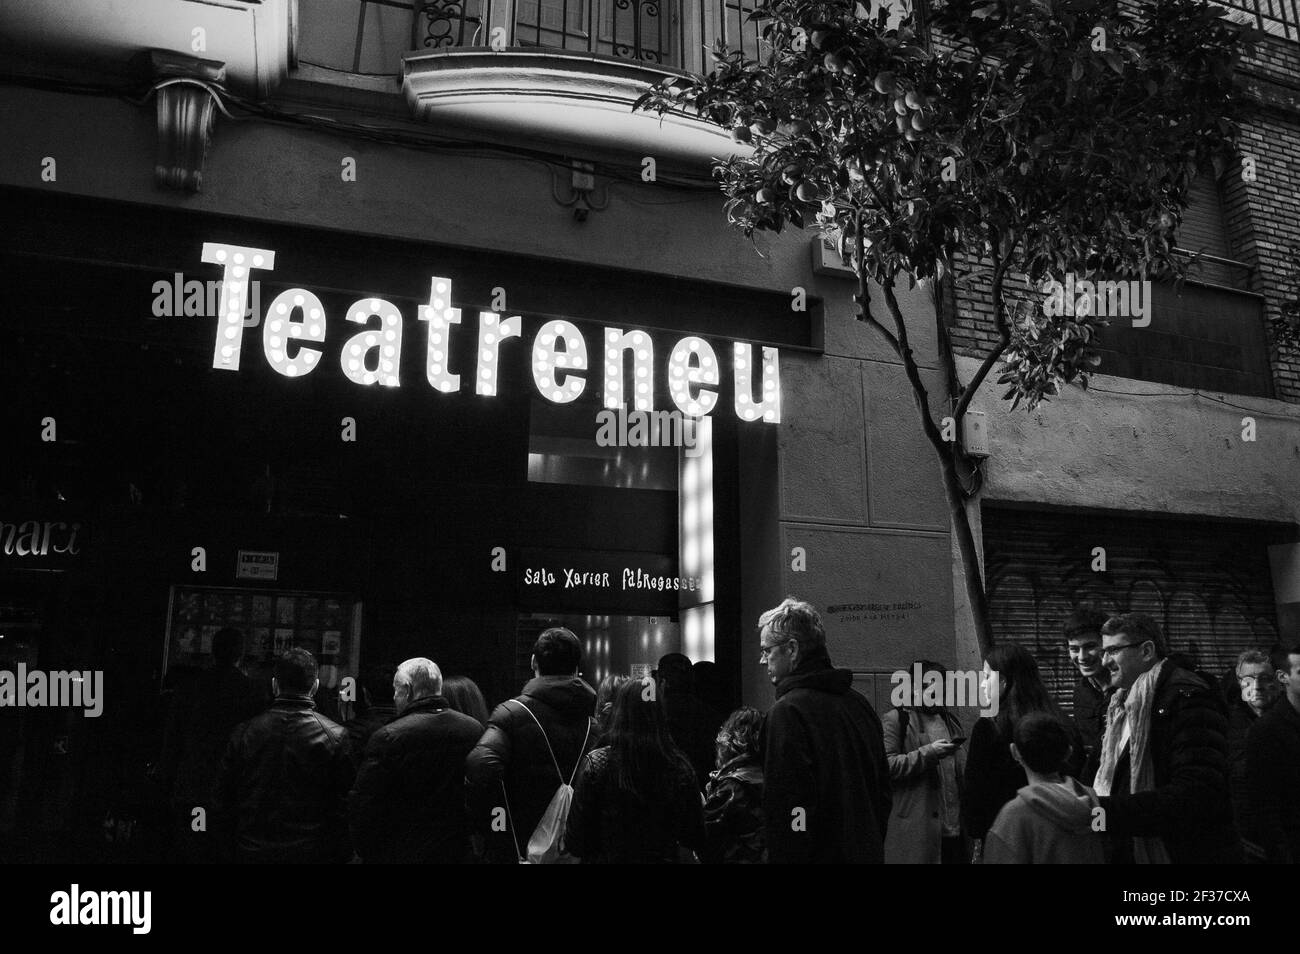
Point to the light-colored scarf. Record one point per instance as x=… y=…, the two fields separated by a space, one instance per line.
x=1134 y=708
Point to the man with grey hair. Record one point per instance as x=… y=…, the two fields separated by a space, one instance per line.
x=827 y=793
x=408 y=803
x=1257 y=688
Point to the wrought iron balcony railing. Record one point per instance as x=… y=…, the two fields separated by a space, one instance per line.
x=671 y=33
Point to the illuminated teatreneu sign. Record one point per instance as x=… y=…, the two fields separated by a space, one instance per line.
x=559 y=355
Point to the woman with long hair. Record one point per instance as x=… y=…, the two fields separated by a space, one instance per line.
x=636 y=800
x=605 y=704
x=992 y=776
x=463 y=694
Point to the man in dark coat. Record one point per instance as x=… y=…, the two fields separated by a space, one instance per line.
x=523 y=753
x=1163 y=778
x=197 y=731
x=284 y=780
x=1083 y=640
x=377 y=694
x=1273 y=766
x=408 y=803
x=689 y=720
x=827 y=793
x=1257 y=688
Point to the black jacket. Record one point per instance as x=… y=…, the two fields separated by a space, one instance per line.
x=1240 y=719
x=360 y=728
x=1273 y=782
x=513 y=750
x=199 y=728
x=992 y=778
x=1090 y=722
x=608 y=825
x=826 y=796
x=1189 y=808
x=733 y=816
x=408 y=803
x=284 y=780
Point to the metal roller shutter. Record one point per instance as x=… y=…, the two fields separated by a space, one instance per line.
x=1202 y=230
x=1207 y=583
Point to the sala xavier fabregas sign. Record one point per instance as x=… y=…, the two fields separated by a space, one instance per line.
x=295 y=325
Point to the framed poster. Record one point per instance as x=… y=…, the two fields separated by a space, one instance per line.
x=272 y=621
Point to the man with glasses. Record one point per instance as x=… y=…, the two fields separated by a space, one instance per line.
x=1258 y=687
x=827 y=792
x=1083 y=641
x=1273 y=764
x=1163 y=776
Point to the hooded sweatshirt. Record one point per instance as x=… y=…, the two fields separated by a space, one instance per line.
x=1047 y=823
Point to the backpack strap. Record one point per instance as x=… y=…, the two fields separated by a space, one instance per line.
x=551 y=750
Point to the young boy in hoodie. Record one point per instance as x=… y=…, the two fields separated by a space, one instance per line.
x=1050 y=821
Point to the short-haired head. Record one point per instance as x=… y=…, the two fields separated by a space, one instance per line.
x=557 y=652
x=295 y=672
x=227 y=646
x=797 y=620
x=377 y=680
x=1041 y=742
x=416 y=679
x=1083 y=623
x=1138 y=628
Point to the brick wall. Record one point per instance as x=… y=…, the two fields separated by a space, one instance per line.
x=1262 y=218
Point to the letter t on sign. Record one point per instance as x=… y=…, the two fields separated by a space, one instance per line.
x=236 y=262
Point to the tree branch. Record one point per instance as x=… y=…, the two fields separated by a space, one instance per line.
x=1000 y=264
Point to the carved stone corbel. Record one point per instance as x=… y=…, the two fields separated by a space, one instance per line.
x=185 y=117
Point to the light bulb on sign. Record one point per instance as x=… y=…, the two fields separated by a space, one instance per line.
x=639 y=343
x=769 y=405
x=235 y=260
x=556 y=339
x=279 y=315
x=389 y=348
x=693 y=363
x=491 y=332
x=440 y=316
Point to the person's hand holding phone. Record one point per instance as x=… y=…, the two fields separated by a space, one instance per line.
x=945 y=747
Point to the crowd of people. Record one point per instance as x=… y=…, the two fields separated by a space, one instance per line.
x=1158 y=763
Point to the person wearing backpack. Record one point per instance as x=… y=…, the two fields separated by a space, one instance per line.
x=637 y=800
x=529 y=753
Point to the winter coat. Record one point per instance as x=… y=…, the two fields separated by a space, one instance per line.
x=826 y=795
x=1048 y=823
x=733 y=815
x=200 y=726
x=283 y=786
x=1240 y=719
x=362 y=727
x=408 y=803
x=1090 y=722
x=1189 y=807
x=513 y=749
x=609 y=825
x=916 y=822
x=1273 y=786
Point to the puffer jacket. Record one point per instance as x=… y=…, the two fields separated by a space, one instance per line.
x=513 y=750
x=1189 y=807
x=282 y=790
